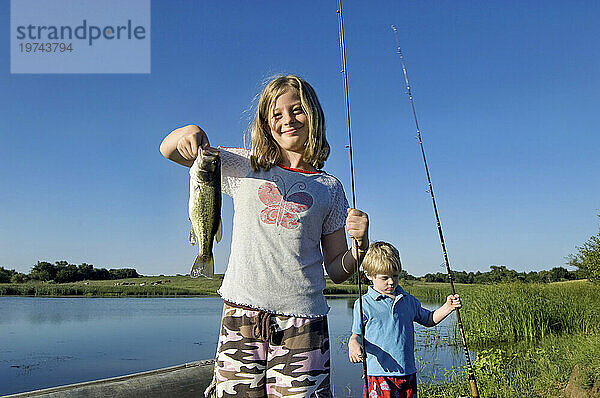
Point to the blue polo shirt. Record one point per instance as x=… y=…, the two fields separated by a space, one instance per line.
x=389 y=330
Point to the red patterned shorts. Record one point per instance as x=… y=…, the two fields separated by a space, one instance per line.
x=392 y=386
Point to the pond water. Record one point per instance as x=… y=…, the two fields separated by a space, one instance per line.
x=46 y=342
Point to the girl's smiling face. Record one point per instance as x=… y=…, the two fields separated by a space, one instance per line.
x=288 y=122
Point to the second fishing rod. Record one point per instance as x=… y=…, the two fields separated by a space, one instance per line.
x=359 y=254
x=471 y=374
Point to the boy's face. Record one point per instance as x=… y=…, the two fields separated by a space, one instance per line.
x=384 y=283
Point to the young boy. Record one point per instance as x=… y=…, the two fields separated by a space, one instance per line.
x=389 y=313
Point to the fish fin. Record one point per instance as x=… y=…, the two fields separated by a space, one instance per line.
x=192 y=237
x=219 y=234
x=204 y=267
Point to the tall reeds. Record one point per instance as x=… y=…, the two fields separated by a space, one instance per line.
x=526 y=369
x=526 y=312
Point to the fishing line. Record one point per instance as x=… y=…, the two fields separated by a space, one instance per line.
x=472 y=382
x=359 y=255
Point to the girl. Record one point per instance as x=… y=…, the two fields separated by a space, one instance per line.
x=289 y=218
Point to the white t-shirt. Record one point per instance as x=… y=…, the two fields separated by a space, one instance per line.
x=280 y=215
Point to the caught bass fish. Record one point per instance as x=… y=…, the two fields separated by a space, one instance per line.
x=205 y=210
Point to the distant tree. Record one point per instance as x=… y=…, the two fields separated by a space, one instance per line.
x=437 y=277
x=6 y=275
x=85 y=271
x=544 y=276
x=462 y=277
x=578 y=274
x=63 y=272
x=587 y=258
x=19 y=278
x=532 y=277
x=100 y=274
x=67 y=273
x=479 y=277
x=43 y=271
x=499 y=273
x=558 y=274
x=123 y=273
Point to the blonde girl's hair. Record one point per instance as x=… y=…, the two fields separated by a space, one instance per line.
x=382 y=258
x=265 y=152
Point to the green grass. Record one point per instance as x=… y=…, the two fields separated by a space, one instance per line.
x=516 y=312
x=433 y=292
x=529 y=338
x=525 y=370
x=178 y=286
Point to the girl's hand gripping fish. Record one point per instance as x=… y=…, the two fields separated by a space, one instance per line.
x=205 y=209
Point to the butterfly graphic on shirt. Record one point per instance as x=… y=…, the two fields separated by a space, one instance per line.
x=283 y=209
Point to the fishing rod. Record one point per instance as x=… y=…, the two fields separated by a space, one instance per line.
x=472 y=382
x=359 y=255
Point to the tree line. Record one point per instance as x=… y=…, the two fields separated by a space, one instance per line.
x=500 y=273
x=63 y=272
x=497 y=273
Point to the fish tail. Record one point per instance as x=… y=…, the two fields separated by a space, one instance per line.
x=204 y=266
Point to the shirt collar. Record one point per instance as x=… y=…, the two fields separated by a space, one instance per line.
x=375 y=295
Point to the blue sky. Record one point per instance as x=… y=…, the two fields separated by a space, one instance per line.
x=506 y=93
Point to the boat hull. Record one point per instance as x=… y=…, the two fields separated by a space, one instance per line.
x=181 y=381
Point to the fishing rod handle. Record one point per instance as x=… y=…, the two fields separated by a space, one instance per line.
x=471 y=374
x=474 y=390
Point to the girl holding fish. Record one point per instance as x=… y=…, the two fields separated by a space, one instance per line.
x=289 y=218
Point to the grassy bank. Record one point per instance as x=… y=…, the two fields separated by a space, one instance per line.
x=147 y=286
x=514 y=312
x=508 y=313
x=543 y=369
x=532 y=340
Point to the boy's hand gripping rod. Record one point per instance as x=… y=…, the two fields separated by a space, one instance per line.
x=359 y=255
x=472 y=381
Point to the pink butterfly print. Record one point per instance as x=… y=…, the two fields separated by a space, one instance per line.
x=280 y=210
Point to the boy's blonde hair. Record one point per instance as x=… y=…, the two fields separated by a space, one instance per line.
x=382 y=258
x=265 y=152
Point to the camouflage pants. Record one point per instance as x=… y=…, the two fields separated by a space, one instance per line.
x=266 y=355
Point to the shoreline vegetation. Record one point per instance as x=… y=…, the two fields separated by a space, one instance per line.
x=530 y=339
x=184 y=285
